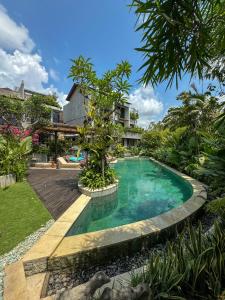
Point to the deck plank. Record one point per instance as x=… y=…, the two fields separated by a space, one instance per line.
x=57 y=189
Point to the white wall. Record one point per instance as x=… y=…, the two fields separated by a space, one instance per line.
x=74 y=111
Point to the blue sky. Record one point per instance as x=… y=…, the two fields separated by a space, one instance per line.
x=38 y=39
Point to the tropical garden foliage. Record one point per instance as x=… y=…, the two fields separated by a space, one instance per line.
x=192 y=267
x=178 y=37
x=17 y=134
x=189 y=139
x=14 y=155
x=102 y=97
x=14 y=111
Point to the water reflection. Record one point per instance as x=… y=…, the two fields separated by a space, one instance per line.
x=97 y=209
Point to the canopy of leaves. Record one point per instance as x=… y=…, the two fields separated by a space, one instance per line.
x=180 y=36
x=11 y=110
x=46 y=99
x=17 y=112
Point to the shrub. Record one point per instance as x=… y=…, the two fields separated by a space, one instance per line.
x=14 y=154
x=119 y=150
x=93 y=179
x=217 y=206
x=190 y=268
x=134 y=150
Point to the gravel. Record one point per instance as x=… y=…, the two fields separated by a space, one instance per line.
x=61 y=280
x=16 y=253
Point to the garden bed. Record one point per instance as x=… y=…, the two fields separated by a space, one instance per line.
x=101 y=192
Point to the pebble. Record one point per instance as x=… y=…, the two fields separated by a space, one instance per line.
x=16 y=253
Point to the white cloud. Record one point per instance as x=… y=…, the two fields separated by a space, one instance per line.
x=147 y=104
x=54 y=75
x=60 y=95
x=12 y=35
x=17 y=66
x=18 y=62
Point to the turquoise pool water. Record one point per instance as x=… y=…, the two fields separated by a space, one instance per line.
x=145 y=191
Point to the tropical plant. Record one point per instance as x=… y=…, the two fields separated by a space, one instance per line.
x=134 y=115
x=217 y=206
x=118 y=150
x=181 y=36
x=94 y=180
x=14 y=154
x=134 y=150
x=101 y=97
x=50 y=100
x=192 y=267
x=16 y=112
x=134 y=129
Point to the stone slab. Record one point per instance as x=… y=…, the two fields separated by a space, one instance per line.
x=34 y=286
x=15 y=282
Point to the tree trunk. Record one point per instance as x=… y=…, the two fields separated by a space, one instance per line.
x=103 y=167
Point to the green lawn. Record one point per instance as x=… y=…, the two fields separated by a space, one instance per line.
x=21 y=213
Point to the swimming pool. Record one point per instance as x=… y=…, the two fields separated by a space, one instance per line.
x=146 y=190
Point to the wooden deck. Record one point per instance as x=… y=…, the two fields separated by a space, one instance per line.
x=57 y=189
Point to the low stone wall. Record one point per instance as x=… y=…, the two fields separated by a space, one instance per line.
x=7 y=180
x=110 y=189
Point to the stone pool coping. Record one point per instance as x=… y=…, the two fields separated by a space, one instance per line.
x=55 y=250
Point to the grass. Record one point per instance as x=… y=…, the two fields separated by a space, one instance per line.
x=21 y=213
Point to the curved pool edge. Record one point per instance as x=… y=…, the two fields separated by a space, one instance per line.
x=81 y=251
x=101 y=192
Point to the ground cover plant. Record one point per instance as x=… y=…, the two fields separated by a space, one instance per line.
x=21 y=214
x=192 y=267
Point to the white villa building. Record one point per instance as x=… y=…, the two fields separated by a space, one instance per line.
x=74 y=113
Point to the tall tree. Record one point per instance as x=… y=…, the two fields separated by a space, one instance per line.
x=32 y=113
x=103 y=95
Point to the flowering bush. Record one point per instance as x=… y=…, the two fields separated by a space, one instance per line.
x=15 y=146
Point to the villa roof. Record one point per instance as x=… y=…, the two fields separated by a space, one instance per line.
x=8 y=92
x=74 y=87
x=33 y=92
x=61 y=127
x=72 y=90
